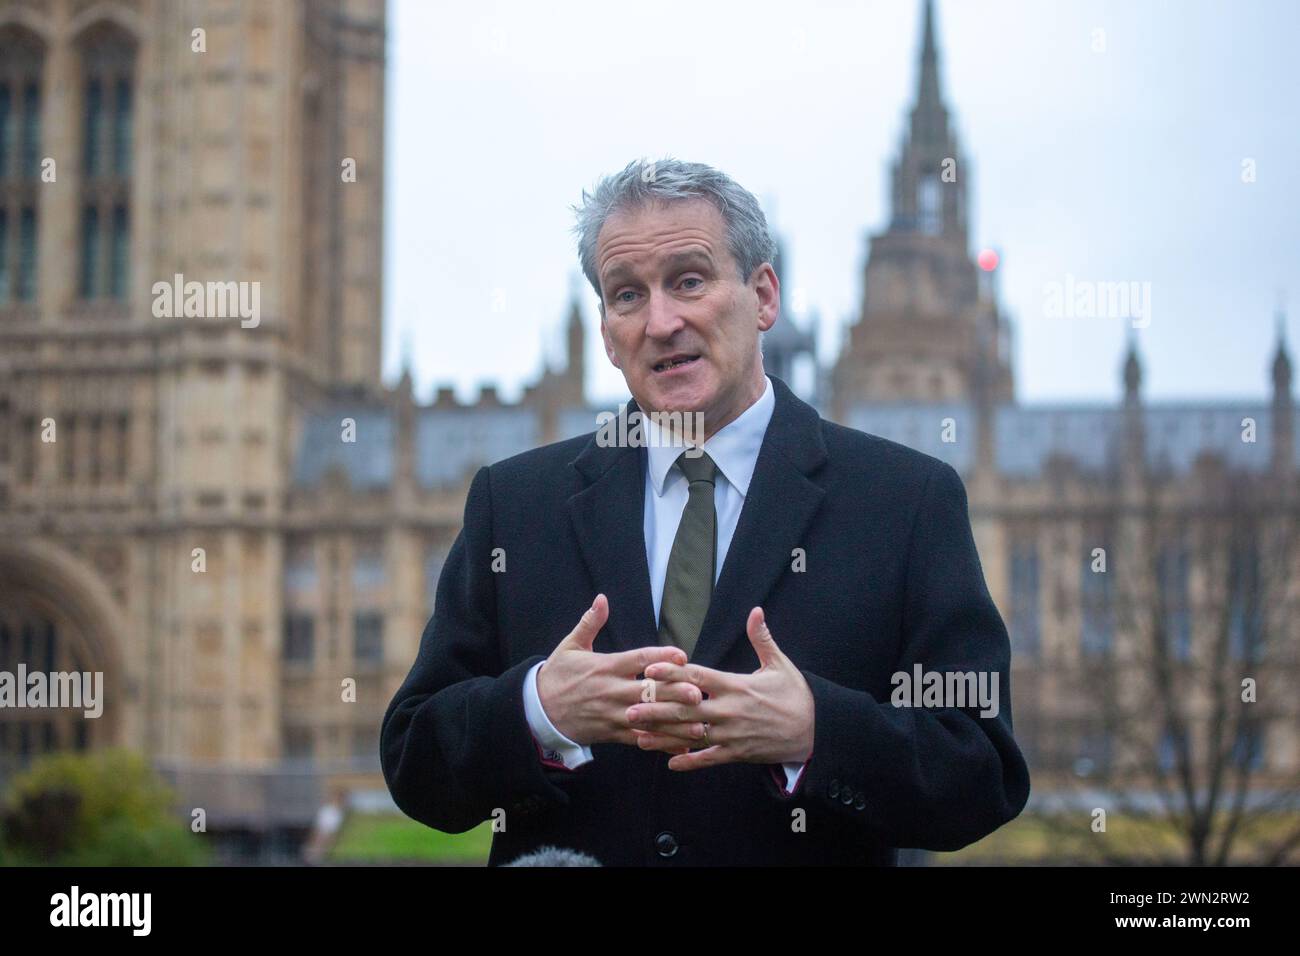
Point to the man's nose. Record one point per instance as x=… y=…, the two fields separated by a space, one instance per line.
x=663 y=319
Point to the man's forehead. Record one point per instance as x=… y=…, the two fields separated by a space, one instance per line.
x=667 y=231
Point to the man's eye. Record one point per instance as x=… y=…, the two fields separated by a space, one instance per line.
x=693 y=279
x=619 y=296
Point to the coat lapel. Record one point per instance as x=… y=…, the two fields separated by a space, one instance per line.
x=608 y=518
x=778 y=509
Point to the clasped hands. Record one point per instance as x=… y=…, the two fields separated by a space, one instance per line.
x=763 y=717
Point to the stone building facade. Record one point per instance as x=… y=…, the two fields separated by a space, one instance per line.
x=145 y=464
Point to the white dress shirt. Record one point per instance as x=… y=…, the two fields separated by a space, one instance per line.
x=734 y=449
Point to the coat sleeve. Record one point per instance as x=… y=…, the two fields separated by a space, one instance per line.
x=934 y=778
x=455 y=747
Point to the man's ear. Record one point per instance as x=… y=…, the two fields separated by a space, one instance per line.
x=767 y=287
x=609 y=345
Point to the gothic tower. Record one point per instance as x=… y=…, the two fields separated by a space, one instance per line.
x=189 y=250
x=929 y=329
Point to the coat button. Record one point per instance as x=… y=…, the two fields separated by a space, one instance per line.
x=859 y=801
x=666 y=844
x=846 y=795
x=835 y=789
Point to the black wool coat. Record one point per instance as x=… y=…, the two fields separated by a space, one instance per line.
x=891 y=579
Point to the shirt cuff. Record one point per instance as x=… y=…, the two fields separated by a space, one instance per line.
x=793 y=774
x=555 y=749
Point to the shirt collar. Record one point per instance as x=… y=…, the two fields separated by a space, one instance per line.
x=734 y=449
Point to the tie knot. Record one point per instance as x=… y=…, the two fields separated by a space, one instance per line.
x=700 y=468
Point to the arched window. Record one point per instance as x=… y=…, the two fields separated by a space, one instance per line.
x=1097 y=602
x=107 y=109
x=22 y=57
x=1025 y=624
x=37 y=637
x=929 y=205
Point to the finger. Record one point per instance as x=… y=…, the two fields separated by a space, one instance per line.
x=705 y=678
x=663 y=743
x=698 y=759
x=589 y=625
x=691 y=732
x=644 y=715
x=706 y=712
x=761 y=638
x=669 y=744
x=649 y=691
x=628 y=737
x=634 y=662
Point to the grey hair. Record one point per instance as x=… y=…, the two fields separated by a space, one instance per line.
x=670 y=180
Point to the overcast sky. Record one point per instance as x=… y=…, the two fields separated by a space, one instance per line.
x=1121 y=165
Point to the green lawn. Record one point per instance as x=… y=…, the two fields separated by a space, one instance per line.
x=1034 y=839
x=379 y=838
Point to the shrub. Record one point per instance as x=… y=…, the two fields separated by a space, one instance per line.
x=100 y=809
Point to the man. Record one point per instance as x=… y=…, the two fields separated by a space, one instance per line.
x=657 y=654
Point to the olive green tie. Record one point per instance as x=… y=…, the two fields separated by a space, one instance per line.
x=688 y=585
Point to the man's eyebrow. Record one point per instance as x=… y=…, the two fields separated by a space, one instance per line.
x=677 y=260
x=689 y=257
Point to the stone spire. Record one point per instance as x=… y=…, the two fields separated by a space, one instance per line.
x=929 y=188
x=576 y=339
x=929 y=116
x=1132 y=373
x=1133 y=451
x=1283 y=403
x=405 y=414
x=1281 y=362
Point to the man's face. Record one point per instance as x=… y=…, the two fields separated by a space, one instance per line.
x=671 y=290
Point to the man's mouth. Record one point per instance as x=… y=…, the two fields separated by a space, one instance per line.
x=674 y=361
